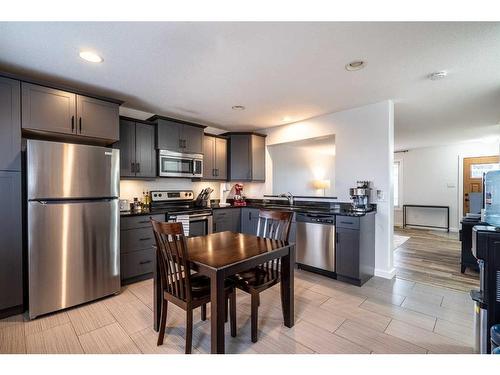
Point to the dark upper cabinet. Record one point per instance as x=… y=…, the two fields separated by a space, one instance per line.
x=127 y=148
x=355 y=248
x=208 y=157
x=97 y=118
x=10 y=124
x=179 y=136
x=11 y=268
x=145 y=154
x=137 y=152
x=214 y=158
x=49 y=110
x=221 y=158
x=192 y=139
x=168 y=135
x=247 y=158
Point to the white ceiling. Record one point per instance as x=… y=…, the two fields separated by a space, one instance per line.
x=197 y=71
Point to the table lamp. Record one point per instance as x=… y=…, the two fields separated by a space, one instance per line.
x=321 y=185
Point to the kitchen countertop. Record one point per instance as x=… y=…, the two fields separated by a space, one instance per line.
x=338 y=209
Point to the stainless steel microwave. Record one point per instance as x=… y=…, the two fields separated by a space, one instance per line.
x=177 y=164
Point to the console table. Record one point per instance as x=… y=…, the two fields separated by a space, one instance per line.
x=447 y=208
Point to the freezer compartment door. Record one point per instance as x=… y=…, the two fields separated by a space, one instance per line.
x=64 y=170
x=316 y=245
x=73 y=253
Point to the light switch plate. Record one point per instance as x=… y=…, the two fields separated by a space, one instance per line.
x=380 y=195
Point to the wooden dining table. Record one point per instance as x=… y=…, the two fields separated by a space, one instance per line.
x=223 y=254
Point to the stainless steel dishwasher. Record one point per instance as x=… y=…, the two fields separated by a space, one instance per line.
x=315 y=242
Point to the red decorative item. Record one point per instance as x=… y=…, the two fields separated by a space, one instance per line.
x=238 y=197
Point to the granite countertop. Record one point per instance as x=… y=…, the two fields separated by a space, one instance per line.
x=337 y=209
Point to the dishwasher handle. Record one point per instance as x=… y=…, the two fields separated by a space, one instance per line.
x=316 y=218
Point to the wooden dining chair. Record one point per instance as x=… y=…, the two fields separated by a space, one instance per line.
x=180 y=286
x=274 y=225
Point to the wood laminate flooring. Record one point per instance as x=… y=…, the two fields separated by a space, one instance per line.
x=432 y=257
x=383 y=316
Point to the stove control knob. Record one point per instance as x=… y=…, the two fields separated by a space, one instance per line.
x=159 y=195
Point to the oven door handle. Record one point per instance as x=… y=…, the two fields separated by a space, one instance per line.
x=199 y=217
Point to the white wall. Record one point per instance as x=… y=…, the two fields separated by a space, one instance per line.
x=364 y=141
x=434 y=176
x=296 y=167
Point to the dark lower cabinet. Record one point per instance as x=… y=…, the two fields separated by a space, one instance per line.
x=136 y=247
x=11 y=268
x=137 y=152
x=249 y=220
x=355 y=248
x=226 y=219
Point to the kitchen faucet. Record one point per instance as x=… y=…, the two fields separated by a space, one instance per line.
x=288 y=196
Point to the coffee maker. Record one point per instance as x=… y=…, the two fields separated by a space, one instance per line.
x=360 y=196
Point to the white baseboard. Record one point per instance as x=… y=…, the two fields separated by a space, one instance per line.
x=385 y=274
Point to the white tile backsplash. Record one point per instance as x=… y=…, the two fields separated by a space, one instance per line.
x=134 y=188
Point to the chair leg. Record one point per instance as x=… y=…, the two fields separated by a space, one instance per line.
x=232 y=309
x=226 y=315
x=254 y=316
x=163 y=322
x=189 y=330
x=282 y=294
x=204 y=312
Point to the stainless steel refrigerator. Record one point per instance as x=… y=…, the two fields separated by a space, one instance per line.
x=73 y=224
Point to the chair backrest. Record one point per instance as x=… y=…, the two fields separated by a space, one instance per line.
x=274 y=224
x=171 y=255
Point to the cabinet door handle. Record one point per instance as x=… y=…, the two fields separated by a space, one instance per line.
x=137 y=167
x=145 y=262
x=337 y=238
x=144 y=239
x=144 y=222
x=249 y=215
x=216 y=172
x=72 y=124
x=132 y=167
x=180 y=143
x=80 y=124
x=183 y=143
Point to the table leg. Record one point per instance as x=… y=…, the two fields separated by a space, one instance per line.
x=157 y=296
x=287 y=279
x=218 y=308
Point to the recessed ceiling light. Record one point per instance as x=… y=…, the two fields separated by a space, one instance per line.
x=287 y=119
x=91 y=56
x=438 y=75
x=238 y=107
x=355 y=65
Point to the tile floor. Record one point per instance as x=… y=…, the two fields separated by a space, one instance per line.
x=383 y=316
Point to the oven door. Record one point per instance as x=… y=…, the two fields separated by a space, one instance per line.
x=200 y=225
x=174 y=164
